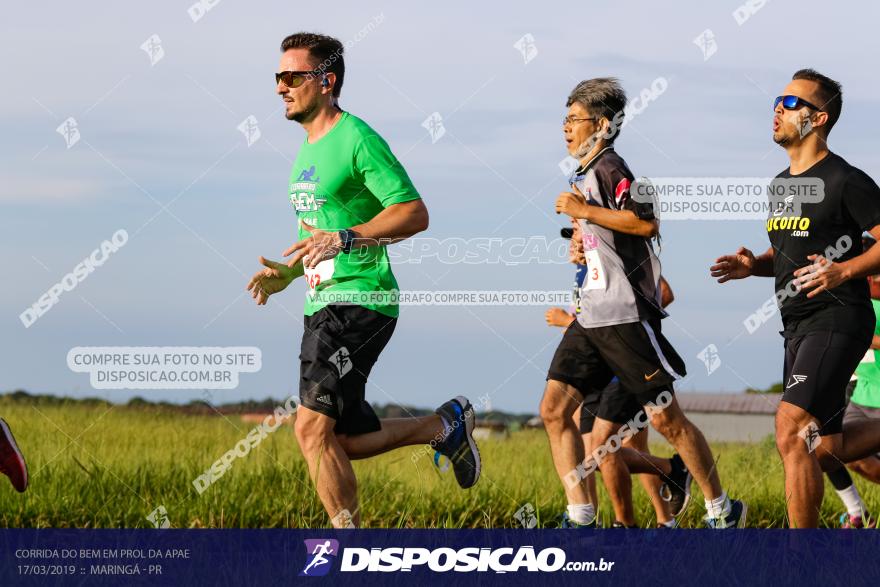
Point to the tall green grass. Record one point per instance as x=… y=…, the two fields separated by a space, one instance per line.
x=100 y=467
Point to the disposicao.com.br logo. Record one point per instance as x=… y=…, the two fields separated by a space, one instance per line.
x=441 y=560
x=318 y=556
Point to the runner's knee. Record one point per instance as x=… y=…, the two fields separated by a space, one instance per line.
x=312 y=429
x=556 y=405
x=602 y=431
x=790 y=421
x=638 y=441
x=668 y=424
x=788 y=442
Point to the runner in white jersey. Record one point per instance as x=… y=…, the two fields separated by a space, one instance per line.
x=618 y=330
x=666 y=481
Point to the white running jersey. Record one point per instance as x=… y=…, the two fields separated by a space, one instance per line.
x=622 y=283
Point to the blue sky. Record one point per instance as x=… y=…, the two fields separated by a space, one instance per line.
x=167 y=134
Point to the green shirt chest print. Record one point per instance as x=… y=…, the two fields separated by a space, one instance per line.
x=342 y=180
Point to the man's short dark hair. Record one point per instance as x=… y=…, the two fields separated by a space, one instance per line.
x=325 y=51
x=601 y=96
x=830 y=94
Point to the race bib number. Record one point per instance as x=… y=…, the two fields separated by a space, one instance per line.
x=591 y=242
x=320 y=274
x=595 y=273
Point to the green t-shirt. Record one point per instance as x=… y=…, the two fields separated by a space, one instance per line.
x=867 y=392
x=343 y=179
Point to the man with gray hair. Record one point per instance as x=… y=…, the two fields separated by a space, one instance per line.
x=617 y=333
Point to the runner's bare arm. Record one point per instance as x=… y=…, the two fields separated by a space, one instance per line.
x=742 y=264
x=625 y=221
x=395 y=223
x=559 y=317
x=868 y=263
x=821 y=274
x=666 y=295
x=273 y=278
x=763 y=264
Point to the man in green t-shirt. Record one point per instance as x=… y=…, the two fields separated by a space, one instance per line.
x=352 y=198
x=864 y=406
x=866 y=396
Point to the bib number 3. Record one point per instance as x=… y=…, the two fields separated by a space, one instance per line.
x=595 y=273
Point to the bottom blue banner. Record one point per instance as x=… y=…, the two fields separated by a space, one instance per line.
x=366 y=557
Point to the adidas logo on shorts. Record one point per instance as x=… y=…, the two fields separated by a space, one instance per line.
x=325 y=399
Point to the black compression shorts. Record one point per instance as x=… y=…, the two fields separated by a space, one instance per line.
x=340 y=345
x=818 y=366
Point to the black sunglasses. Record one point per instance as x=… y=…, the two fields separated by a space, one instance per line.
x=294 y=79
x=793 y=103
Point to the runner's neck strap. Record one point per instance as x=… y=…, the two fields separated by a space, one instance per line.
x=586 y=166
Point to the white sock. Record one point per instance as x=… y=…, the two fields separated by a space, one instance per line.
x=669 y=524
x=853 y=501
x=446 y=428
x=718 y=507
x=581 y=513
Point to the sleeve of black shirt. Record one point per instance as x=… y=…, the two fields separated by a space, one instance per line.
x=616 y=183
x=861 y=198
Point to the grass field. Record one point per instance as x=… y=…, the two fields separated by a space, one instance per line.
x=94 y=467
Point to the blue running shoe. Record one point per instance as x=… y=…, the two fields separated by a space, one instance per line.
x=458 y=444
x=569 y=523
x=735 y=519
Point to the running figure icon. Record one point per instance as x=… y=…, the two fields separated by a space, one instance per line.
x=319 y=558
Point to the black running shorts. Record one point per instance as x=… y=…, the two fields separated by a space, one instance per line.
x=592 y=400
x=818 y=366
x=340 y=345
x=636 y=352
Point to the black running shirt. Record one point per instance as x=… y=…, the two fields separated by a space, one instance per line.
x=851 y=205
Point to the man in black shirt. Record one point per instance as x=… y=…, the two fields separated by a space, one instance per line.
x=820 y=206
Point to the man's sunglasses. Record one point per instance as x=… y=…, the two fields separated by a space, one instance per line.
x=793 y=103
x=294 y=79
